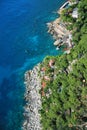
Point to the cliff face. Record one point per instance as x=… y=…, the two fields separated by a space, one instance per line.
x=33 y=99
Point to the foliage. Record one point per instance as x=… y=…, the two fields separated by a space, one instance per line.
x=66 y=107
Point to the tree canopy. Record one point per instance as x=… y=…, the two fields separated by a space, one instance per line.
x=66 y=107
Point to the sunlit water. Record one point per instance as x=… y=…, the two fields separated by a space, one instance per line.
x=24 y=42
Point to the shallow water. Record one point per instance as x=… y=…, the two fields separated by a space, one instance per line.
x=24 y=42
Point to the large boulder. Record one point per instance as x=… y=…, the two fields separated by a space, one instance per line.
x=57 y=42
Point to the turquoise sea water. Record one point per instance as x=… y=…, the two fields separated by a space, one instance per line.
x=24 y=42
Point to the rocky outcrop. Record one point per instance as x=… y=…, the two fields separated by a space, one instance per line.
x=33 y=99
x=62 y=36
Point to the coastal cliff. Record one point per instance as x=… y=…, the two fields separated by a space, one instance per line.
x=63 y=81
x=33 y=100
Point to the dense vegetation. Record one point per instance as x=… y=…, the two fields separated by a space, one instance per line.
x=65 y=108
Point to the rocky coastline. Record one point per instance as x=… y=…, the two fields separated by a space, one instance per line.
x=58 y=29
x=33 y=100
x=62 y=36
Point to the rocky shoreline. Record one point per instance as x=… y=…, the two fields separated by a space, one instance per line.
x=58 y=29
x=33 y=99
x=62 y=36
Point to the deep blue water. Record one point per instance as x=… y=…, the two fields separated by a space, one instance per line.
x=24 y=42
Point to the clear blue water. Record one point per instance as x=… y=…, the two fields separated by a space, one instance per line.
x=24 y=42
